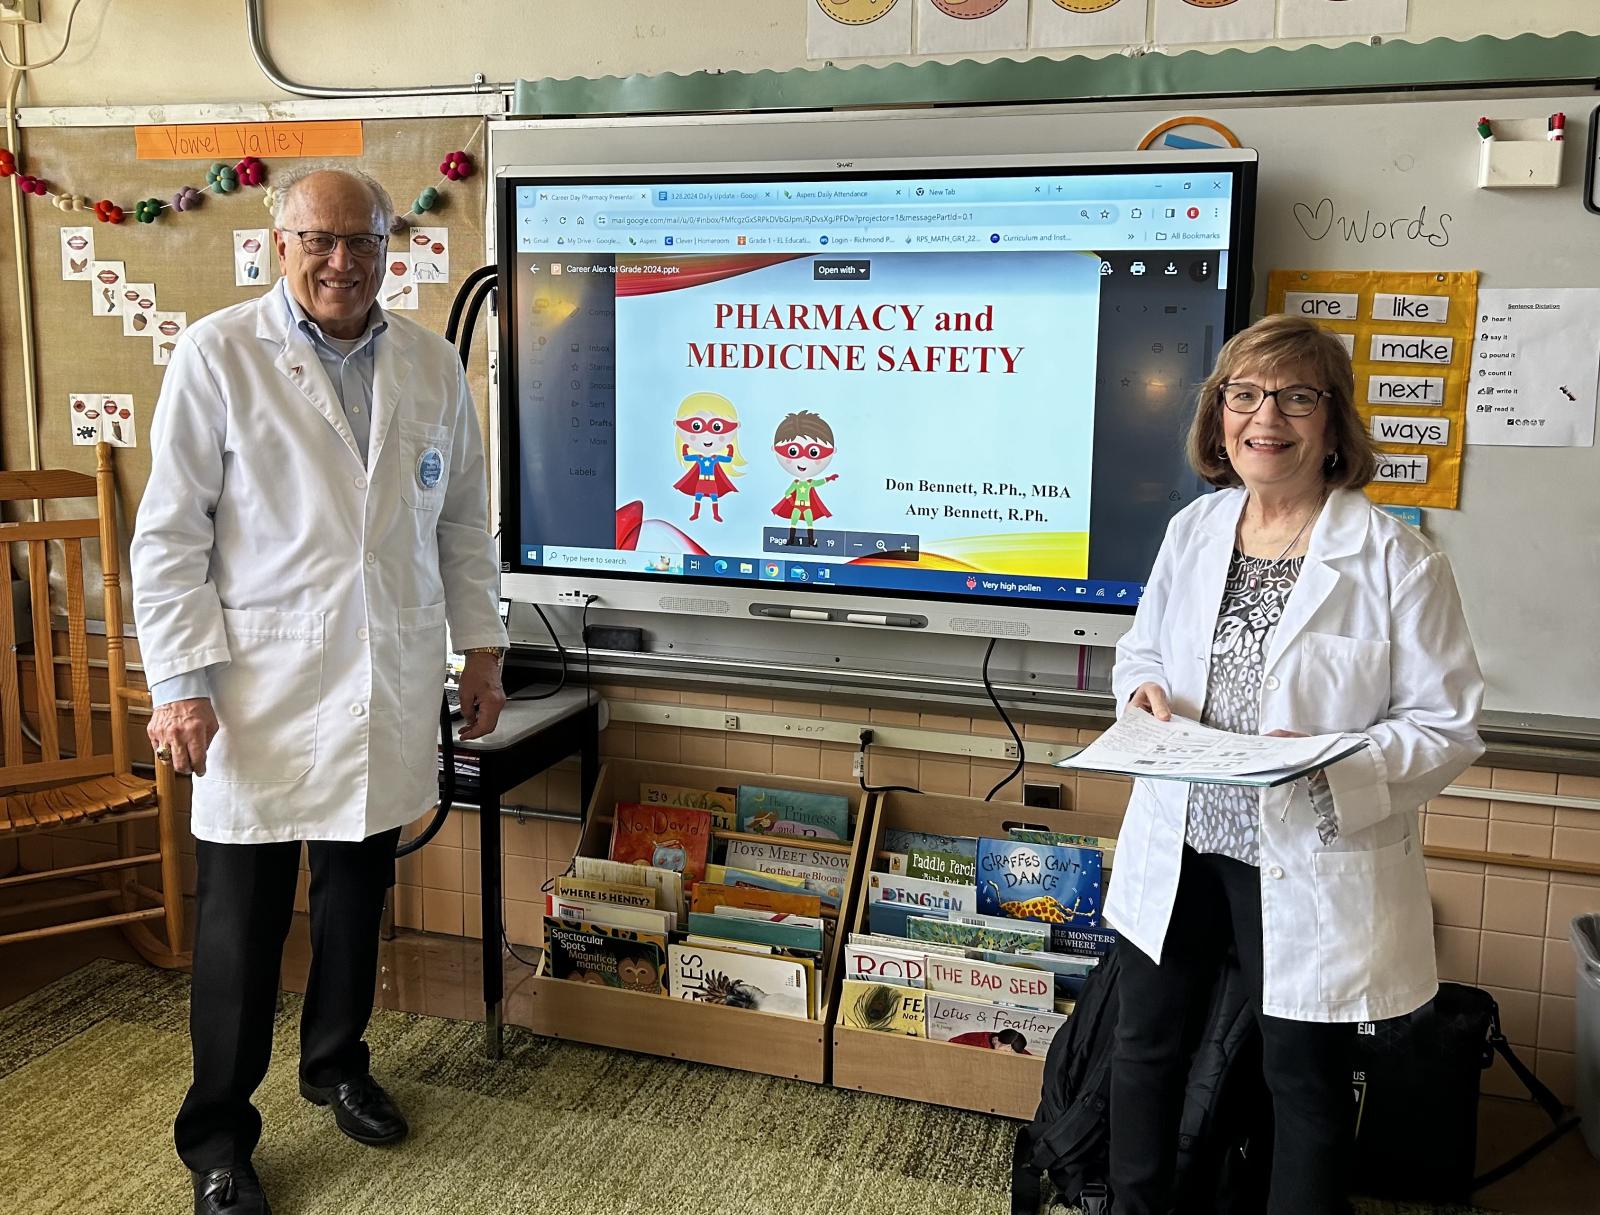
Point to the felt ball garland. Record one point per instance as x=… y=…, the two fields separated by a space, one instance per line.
x=222 y=178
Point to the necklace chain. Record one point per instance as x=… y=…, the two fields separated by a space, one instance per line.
x=1294 y=539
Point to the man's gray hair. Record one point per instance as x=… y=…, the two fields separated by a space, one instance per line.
x=286 y=184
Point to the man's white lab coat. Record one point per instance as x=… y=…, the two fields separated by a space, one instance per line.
x=315 y=586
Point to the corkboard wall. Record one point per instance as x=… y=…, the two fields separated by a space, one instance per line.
x=189 y=259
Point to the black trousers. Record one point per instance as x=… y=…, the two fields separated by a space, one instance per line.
x=1306 y=1064
x=245 y=904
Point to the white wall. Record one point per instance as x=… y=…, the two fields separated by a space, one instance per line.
x=125 y=52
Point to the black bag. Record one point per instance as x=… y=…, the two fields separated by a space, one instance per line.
x=1224 y=1149
x=1416 y=1098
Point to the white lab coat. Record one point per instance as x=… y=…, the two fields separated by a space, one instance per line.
x=320 y=585
x=1372 y=641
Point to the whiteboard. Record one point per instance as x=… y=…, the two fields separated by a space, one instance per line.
x=1352 y=182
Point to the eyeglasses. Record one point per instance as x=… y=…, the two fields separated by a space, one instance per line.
x=360 y=244
x=1295 y=401
x=700 y=426
x=803 y=451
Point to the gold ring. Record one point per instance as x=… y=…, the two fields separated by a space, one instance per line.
x=164 y=752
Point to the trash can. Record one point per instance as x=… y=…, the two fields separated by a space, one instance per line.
x=1586 y=944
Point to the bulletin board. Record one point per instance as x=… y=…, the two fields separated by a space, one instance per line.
x=189 y=258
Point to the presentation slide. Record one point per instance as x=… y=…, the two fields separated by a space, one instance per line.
x=941 y=403
x=964 y=386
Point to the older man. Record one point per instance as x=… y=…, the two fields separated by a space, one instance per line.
x=315 y=516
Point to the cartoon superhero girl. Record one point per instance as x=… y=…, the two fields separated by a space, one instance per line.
x=803 y=444
x=707 y=438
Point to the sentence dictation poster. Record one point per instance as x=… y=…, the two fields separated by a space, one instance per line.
x=1410 y=338
x=946 y=396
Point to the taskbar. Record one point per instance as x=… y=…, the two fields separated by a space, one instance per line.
x=877 y=576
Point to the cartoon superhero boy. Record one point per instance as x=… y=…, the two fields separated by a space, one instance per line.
x=804 y=447
x=707 y=438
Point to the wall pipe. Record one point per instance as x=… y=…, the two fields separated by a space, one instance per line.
x=255 y=27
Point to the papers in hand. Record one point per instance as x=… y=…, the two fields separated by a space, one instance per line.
x=1181 y=749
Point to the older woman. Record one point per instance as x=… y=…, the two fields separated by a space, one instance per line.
x=1285 y=604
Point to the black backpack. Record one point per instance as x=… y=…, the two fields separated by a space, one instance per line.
x=1224 y=1145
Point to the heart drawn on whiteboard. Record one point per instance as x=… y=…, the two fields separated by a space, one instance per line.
x=1315 y=224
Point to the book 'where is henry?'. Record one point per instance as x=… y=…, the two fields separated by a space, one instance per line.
x=664 y=837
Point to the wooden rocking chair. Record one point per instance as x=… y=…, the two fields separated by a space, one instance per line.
x=55 y=785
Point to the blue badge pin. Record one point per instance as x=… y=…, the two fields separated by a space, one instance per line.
x=430 y=468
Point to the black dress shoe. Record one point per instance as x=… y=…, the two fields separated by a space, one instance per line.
x=231 y=1191
x=362 y=1109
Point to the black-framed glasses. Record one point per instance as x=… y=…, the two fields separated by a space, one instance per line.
x=360 y=244
x=1294 y=401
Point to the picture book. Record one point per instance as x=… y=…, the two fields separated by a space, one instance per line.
x=787 y=936
x=898 y=840
x=665 y=837
x=740 y=980
x=889 y=919
x=1069 y=972
x=917 y=892
x=985 y=934
x=987 y=981
x=644 y=919
x=1053 y=883
x=883 y=1007
x=1106 y=843
x=621 y=893
x=940 y=866
x=791 y=918
x=719 y=943
x=723 y=807
x=893 y=862
x=828 y=870
x=667 y=883
x=608 y=957
x=876 y=964
x=873 y=940
x=708 y=896
x=822 y=816
x=1082 y=941
x=724 y=875
x=1022 y=1031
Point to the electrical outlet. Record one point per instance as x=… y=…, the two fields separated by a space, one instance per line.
x=730 y=721
x=17 y=12
x=1013 y=751
x=1043 y=796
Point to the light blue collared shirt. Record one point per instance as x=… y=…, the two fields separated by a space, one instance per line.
x=350 y=364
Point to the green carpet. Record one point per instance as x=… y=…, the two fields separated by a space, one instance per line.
x=93 y=1067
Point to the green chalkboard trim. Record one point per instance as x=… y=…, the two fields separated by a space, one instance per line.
x=1439 y=63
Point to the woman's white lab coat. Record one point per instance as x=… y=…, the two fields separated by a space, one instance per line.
x=1372 y=641
x=319 y=583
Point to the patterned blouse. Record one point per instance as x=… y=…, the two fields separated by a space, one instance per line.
x=1226 y=819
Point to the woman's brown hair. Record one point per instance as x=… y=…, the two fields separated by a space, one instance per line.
x=1272 y=343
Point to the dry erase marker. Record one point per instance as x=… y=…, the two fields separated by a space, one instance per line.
x=1558 y=125
x=1484 y=129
